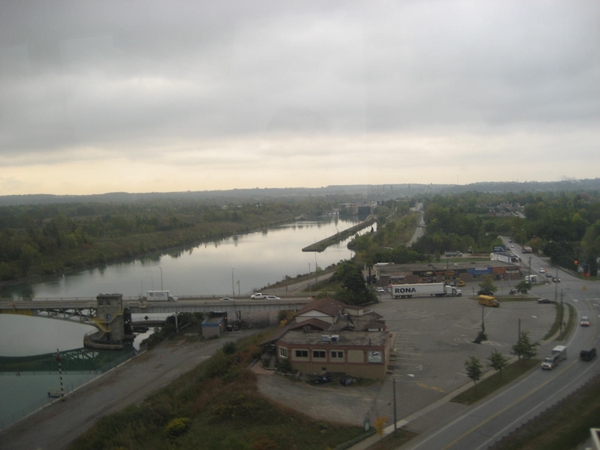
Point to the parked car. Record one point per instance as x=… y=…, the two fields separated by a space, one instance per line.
x=585 y=321
x=346 y=380
x=545 y=300
x=380 y=289
x=556 y=280
x=257 y=296
x=320 y=378
x=461 y=283
x=272 y=297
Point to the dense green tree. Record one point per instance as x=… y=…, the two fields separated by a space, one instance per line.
x=353 y=288
x=487 y=284
x=523 y=287
x=524 y=348
x=497 y=361
x=474 y=369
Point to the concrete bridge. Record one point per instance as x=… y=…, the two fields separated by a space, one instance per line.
x=81 y=309
x=111 y=314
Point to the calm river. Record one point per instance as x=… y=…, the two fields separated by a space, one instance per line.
x=240 y=265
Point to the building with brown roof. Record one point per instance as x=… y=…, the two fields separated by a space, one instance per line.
x=330 y=336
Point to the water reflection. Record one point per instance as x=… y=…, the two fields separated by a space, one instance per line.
x=26 y=336
x=259 y=258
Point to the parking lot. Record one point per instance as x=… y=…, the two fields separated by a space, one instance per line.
x=433 y=340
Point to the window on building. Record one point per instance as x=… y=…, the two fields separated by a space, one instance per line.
x=283 y=352
x=337 y=354
x=301 y=353
x=319 y=354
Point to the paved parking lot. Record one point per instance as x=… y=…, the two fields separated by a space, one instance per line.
x=433 y=340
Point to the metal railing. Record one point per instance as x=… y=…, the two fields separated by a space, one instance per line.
x=69 y=387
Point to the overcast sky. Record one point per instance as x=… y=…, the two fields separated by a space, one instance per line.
x=157 y=96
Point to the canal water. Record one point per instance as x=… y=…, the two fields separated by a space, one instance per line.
x=237 y=265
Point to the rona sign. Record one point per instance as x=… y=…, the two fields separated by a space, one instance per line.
x=408 y=290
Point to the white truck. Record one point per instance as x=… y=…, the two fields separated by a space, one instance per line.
x=424 y=290
x=159 y=296
x=559 y=353
x=531 y=279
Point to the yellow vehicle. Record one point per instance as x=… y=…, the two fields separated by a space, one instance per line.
x=461 y=283
x=488 y=300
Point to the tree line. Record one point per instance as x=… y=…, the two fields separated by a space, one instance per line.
x=53 y=238
x=563 y=226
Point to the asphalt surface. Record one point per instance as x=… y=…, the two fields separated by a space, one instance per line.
x=58 y=424
x=435 y=339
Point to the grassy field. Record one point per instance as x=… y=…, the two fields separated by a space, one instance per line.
x=216 y=406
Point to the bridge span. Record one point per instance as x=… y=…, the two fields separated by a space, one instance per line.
x=111 y=314
x=83 y=308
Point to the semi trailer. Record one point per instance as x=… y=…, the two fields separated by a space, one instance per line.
x=424 y=290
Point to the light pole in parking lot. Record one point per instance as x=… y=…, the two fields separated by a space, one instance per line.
x=394 y=394
x=561 y=312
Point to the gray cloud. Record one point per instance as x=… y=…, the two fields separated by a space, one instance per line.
x=99 y=79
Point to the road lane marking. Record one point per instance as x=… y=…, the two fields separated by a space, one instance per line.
x=512 y=405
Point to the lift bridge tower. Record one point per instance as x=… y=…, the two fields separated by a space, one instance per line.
x=113 y=321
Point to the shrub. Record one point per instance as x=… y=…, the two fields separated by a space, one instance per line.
x=284 y=365
x=229 y=348
x=177 y=427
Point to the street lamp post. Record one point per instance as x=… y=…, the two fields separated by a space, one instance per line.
x=161 y=279
x=394 y=394
x=232 y=283
x=309 y=288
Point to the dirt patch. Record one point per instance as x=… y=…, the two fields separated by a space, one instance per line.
x=332 y=402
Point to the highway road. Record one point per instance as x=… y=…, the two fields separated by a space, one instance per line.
x=485 y=423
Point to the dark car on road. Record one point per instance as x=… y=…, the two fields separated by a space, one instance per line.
x=587 y=355
x=545 y=300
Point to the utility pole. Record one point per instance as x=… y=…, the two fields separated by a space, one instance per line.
x=395 y=420
x=232 y=283
x=556 y=287
x=482 y=323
